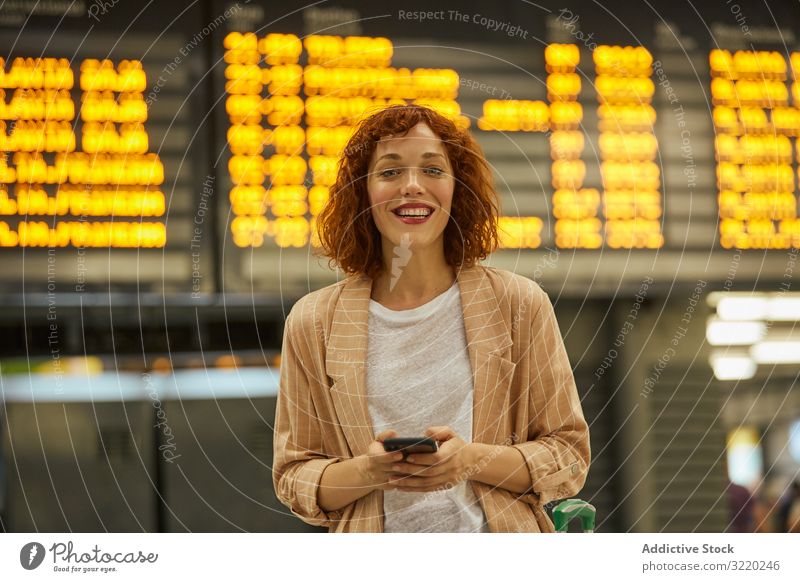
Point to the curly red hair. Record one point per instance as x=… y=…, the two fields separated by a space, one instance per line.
x=347 y=232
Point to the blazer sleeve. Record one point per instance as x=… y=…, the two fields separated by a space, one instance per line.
x=298 y=457
x=556 y=447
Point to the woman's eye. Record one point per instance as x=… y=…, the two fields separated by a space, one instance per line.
x=392 y=172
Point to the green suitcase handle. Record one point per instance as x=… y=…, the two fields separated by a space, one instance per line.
x=570 y=509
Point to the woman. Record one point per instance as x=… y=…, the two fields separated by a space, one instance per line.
x=419 y=339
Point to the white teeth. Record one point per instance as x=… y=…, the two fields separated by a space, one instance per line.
x=414 y=212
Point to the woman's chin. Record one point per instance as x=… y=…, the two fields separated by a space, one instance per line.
x=411 y=240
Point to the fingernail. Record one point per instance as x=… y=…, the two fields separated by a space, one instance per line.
x=395 y=467
x=410 y=459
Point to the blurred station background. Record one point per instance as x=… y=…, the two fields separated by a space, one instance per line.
x=162 y=164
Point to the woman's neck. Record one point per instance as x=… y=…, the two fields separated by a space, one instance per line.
x=413 y=284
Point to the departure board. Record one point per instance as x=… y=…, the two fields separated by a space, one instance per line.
x=82 y=181
x=103 y=152
x=757 y=121
x=200 y=142
x=291 y=139
x=290 y=122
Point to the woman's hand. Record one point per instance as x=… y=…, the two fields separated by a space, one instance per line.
x=422 y=472
x=376 y=465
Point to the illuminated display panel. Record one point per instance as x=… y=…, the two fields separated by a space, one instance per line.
x=345 y=79
x=288 y=123
x=245 y=133
x=630 y=204
x=102 y=187
x=756 y=122
x=575 y=208
x=98 y=188
x=628 y=147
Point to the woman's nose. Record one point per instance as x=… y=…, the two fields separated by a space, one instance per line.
x=411 y=184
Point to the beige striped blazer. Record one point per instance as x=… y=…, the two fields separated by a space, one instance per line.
x=524 y=396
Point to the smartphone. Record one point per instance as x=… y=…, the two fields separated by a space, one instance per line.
x=408 y=445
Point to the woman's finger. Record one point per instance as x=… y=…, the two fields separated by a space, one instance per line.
x=387 y=434
x=426 y=458
x=440 y=433
x=406 y=469
x=389 y=457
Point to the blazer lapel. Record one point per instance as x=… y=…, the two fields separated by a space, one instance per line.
x=345 y=362
x=488 y=343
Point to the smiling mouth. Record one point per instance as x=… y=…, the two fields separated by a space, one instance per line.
x=413 y=215
x=413 y=212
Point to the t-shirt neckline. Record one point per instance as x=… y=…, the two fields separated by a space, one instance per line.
x=424 y=310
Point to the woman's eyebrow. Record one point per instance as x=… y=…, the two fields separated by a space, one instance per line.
x=425 y=156
x=389 y=156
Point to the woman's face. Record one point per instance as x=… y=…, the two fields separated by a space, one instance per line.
x=410 y=186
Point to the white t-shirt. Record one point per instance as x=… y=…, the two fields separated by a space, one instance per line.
x=419 y=375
